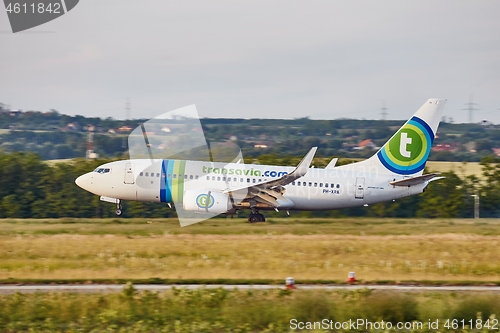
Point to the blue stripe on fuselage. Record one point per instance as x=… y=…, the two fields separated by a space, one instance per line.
x=165 y=193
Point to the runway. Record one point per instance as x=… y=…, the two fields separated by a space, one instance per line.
x=111 y=288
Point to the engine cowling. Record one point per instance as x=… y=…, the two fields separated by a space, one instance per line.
x=206 y=201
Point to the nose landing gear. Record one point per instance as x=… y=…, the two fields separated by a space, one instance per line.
x=119 y=208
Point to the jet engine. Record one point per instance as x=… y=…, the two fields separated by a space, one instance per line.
x=206 y=201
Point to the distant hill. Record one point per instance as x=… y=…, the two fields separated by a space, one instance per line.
x=58 y=136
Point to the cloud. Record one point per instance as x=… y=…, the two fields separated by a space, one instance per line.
x=279 y=59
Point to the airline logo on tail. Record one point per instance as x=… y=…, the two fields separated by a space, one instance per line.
x=407 y=151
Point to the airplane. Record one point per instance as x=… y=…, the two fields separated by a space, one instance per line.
x=394 y=171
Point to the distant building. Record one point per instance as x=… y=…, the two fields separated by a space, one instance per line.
x=366 y=144
x=125 y=129
x=70 y=127
x=452 y=147
x=260 y=146
x=348 y=146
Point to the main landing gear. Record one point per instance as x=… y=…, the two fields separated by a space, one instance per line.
x=119 y=208
x=255 y=216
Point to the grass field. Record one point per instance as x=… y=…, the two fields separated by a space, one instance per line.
x=54 y=162
x=222 y=311
x=315 y=249
x=461 y=169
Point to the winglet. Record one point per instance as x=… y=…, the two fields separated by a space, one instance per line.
x=299 y=171
x=332 y=163
x=304 y=165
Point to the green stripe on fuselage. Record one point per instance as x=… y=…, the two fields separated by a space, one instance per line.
x=178 y=182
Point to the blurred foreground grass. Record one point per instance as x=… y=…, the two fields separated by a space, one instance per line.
x=209 y=310
x=238 y=226
x=307 y=249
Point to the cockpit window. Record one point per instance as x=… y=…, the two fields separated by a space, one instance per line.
x=102 y=170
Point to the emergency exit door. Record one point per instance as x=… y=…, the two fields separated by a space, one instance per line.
x=359 y=192
x=129 y=174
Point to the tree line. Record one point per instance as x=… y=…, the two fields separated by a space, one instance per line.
x=47 y=135
x=31 y=188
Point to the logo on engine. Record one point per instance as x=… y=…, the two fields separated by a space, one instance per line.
x=201 y=201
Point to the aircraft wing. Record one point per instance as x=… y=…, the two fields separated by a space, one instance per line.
x=416 y=180
x=271 y=192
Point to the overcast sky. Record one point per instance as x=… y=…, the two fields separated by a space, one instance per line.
x=257 y=59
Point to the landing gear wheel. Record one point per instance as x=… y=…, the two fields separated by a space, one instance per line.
x=254 y=218
x=119 y=209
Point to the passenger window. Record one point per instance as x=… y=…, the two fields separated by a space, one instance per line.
x=315 y=184
x=173 y=175
x=320 y=184
x=298 y=183
x=293 y=183
x=191 y=177
x=303 y=183
x=235 y=179
x=332 y=185
x=326 y=184
x=338 y=185
x=241 y=180
x=141 y=174
x=162 y=175
x=169 y=176
x=147 y=174
x=213 y=177
x=248 y=180
x=218 y=178
x=208 y=177
x=224 y=179
x=310 y=184
x=196 y=177
x=254 y=180
x=157 y=174
x=152 y=174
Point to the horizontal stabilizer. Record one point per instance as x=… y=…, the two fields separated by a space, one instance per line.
x=417 y=180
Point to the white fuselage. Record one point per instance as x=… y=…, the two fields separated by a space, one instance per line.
x=168 y=180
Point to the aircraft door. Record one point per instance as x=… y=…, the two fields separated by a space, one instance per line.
x=129 y=174
x=360 y=188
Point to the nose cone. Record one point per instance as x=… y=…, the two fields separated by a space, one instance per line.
x=84 y=181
